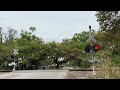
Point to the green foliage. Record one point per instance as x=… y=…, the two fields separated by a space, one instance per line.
x=35 y=53
x=81 y=37
x=32 y=28
x=11 y=33
x=109 y=22
x=116 y=60
x=5 y=53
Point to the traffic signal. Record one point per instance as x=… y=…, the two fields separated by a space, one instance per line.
x=94 y=48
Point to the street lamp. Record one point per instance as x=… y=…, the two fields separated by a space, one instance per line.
x=15 y=53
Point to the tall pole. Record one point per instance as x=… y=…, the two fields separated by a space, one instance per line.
x=92 y=52
x=90 y=35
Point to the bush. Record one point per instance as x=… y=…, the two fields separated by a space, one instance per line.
x=84 y=64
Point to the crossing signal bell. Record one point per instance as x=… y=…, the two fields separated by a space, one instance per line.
x=94 y=48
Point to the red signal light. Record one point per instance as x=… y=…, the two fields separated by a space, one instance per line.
x=97 y=47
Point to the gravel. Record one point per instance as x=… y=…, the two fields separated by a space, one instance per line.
x=79 y=74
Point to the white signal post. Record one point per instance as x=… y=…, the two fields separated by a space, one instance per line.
x=15 y=53
x=91 y=38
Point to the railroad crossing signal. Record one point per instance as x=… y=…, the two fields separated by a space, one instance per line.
x=15 y=52
x=92 y=49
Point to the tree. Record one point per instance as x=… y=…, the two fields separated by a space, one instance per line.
x=72 y=50
x=32 y=29
x=102 y=40
x=53 y=52
x=6 y=49
x=32 y=49
x=11 y=33
x=5 y=54
x=109 y=22
x=80 y=37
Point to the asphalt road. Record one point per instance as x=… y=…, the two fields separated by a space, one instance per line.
x=36 y=74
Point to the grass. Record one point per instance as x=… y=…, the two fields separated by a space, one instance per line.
x=107 y=70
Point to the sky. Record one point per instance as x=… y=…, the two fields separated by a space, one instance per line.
x=50 y=25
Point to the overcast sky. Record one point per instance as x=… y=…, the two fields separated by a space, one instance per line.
x=50 y=25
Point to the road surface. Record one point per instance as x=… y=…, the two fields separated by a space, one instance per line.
x=36 y=74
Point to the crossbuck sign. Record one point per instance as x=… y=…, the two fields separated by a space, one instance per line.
x=91 y=38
